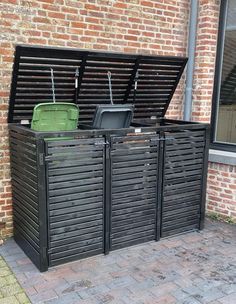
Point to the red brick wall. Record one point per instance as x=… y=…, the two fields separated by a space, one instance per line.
x=221 y=195
x=137 y=26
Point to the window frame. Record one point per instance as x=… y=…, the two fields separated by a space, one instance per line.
x=217 y=81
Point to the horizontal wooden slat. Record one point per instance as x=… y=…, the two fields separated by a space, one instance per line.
x=182 y=184
x=158 y=77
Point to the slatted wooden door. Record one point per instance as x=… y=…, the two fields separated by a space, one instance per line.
x=134 y=165
x=182 y=181
x=75 y=198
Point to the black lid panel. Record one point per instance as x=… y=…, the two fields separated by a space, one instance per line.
x=31 y=82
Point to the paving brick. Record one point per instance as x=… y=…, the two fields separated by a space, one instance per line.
x=172 y=243
x=189 y=300
x=23 y=261
x=166 y=299
x=43 y=296
x=49 y=285
x=209 y=295
x=5 y=271
x=10 y=290
x=192 y=290
x=2 y=263
x=22 y=298
x=162 y=289
x=10 y=279
x=3 y=282
x=75 y=276
x=228 y=288
x=146 y=274
x=9 y=300
x=119 y=294
x=179 y=294
x=139 y=286
x=30 y=291
x=93 y=291
x=230 y=299
x=31 y=282
x=207 y=285
x=127 y=300
x=71 y=298
x=121 y=282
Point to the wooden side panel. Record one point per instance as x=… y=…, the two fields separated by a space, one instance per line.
x=24 y=175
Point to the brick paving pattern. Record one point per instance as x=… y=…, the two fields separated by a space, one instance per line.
x=195 y=268
x=10 y=290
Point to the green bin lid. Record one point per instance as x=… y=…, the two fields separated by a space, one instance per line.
x=59 y=116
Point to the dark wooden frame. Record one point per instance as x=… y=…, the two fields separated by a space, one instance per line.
x=41 y=259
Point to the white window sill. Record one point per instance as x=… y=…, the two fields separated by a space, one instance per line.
x=222 y=157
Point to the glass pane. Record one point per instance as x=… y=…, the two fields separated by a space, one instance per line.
x=226 y=124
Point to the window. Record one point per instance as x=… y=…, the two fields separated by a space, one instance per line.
x=224 y=97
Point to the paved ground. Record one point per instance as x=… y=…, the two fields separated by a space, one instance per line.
x=10 y=290
x=188 y=269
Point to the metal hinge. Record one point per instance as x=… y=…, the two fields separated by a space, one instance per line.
x=169 y=138
x=155 y=140
x=161 y=139
x=101 y=143
x=45 y=252
x=41 y=159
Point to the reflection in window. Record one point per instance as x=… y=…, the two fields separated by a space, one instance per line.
x=226 y=124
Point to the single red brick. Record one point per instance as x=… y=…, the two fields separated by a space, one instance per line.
x=95 y=27
x=47 y=1
x=129 y=37
x=120 y=5
x=37 y=40
x=92 y=7
x=79 y=24
x=41 y=20
x=147 y=3
x=69 y=10
x=56 y=15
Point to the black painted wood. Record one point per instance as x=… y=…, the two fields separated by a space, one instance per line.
x=25 y=194
x=182 y=181
x=158 y=78
x=133 y=189
x=105 y=191
x=75 y=198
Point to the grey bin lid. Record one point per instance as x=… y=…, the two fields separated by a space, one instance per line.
x=31 y=85
x=113 y=116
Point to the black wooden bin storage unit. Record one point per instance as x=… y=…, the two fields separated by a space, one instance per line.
x=101 y=190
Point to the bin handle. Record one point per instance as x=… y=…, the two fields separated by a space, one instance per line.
x=110 y=88
x=135 y=86
x=53 y=86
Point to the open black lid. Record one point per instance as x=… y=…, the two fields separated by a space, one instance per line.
x=31 y=83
